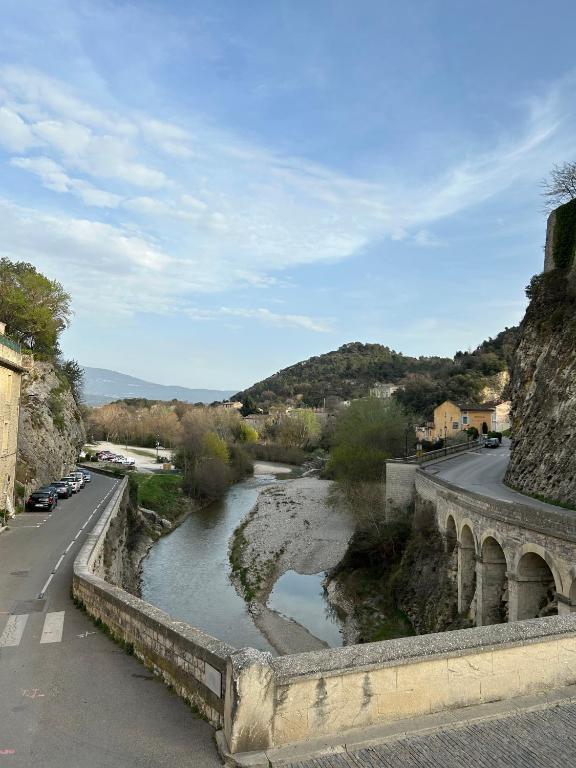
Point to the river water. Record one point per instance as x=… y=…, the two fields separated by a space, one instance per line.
x=187 y=575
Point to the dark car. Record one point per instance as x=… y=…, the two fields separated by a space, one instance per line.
x=41 y=500
x=63 y=489
x=491 y=442
x=52 y=490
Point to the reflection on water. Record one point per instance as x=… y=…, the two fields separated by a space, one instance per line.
x=301 y=597
x=187 y=573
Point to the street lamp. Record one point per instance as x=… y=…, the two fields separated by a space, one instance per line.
x=157 y=447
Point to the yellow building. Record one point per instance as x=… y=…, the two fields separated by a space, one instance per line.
x=451 y=418
x=11 y=370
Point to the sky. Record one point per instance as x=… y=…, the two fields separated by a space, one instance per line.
x=226 y=188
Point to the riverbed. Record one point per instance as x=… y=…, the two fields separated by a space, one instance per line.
x=187 y=573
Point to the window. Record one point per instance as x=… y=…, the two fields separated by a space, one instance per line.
x=455 y=425
x=464 y=419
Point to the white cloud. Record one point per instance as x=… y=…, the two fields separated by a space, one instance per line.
x=318 y=325
x=55 y=178
x=204 y=211
x=15 y=134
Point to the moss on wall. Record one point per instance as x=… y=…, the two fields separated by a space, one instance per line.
x=564 y=245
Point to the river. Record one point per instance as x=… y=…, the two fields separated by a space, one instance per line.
x=187 y=575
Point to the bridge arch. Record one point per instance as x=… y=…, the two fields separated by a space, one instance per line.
x=493 y=582
x=572 y=596
x=451 y=535
x=466 y=570
x=538 y=582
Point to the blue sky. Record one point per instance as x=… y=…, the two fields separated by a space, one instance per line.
x=227 y=187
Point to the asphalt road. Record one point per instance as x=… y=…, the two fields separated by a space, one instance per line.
x=69 y=697
x=482 y=471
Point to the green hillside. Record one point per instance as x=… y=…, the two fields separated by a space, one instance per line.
x=351 y=370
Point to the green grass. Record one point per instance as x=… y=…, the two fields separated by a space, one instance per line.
x=161 y=493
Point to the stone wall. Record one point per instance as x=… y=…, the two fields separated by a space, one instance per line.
x=399 y=488
x=189 y=660
x=11 y=369
x=326 y=693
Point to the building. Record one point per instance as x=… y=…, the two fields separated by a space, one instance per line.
x=382 y=391
x=451 y=418
x=230 y=405
x=11 y=370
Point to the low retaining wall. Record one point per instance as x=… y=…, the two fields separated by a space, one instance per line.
x=325 y=693
x=186 y=658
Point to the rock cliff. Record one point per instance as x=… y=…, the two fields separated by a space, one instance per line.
x=543 y=375
x=51 y=431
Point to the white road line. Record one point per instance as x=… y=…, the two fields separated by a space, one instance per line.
x=13 y=631
x=45 y=587
x=58 y=564
x=53 y=627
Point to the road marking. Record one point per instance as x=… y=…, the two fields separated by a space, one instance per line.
x=45 y=587
x=53 y=627
x=32 y=693
x=71 y=544
x=85 y=634
x=13 y=631
x=7 y=751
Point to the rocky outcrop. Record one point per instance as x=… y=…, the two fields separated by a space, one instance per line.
x=426 y=584
x=51 y=432
x=543 y=376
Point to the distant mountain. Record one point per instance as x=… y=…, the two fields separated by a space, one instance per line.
x=103 y=386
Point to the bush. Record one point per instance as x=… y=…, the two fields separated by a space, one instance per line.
x=281 y=454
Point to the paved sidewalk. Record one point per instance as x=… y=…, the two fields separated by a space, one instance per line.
x=538 y=739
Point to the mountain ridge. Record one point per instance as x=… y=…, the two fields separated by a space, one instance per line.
x=103 y=385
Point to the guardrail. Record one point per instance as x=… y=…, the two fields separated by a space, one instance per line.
x=438 y=454
x=6 y=342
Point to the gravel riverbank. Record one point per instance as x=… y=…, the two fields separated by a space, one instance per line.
x=292 y=527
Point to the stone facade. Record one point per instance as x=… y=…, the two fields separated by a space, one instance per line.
x=11 y=370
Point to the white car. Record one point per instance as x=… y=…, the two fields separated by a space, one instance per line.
x=74 y=482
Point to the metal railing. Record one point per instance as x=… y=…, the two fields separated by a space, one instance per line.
x=6 y=342
x=437 y=454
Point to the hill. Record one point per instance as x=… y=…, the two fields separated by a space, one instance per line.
x=104 y=386
x=350 y=371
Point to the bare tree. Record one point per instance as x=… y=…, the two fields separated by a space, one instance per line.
x=560 y=187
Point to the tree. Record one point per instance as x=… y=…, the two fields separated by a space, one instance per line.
x=367 y=433
x=298 y=429
x=561 y=186
x=35 y=309
x=74 y=374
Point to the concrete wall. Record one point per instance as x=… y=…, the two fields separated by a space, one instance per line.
x=186 y=658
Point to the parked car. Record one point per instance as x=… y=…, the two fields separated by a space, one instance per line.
x=79 y=476
x=64 y=489
x=74 y=482
x=51 y=489
x=491 y=442
x=87 y=476
x=41 y=500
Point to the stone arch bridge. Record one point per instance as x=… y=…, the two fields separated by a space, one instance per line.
x=512 y=561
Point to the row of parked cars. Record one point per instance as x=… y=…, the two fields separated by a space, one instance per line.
x=115 y=458
x=46 y=498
